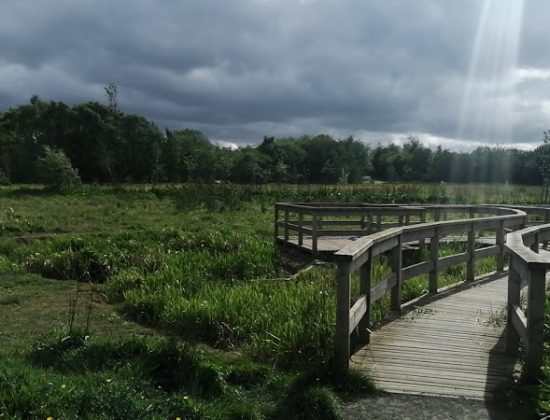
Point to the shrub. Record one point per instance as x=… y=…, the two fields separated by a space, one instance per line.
x=56 y=171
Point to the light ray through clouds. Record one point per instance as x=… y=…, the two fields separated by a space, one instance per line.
x=487 y=112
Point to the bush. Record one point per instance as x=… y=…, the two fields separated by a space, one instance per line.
x=56 y=171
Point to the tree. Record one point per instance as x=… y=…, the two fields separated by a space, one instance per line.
x=55 y=170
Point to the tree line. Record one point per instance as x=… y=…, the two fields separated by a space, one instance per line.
x=105 y=144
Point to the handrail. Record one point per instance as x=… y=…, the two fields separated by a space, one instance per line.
x=377 y=236
x=359 y=254
x=527 y=267
x=310 y=219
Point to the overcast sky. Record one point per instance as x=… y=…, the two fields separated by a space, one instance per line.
x=456 y=73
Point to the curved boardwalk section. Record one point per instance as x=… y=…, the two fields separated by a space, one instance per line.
x=454 y=345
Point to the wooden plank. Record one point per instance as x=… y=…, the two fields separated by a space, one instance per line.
x=487 y=251
x=397 y=387
x=441 y=373
x=447 y=346
x=366 y=355
x=382 y=287
x=399 y=356
x=519 y=321
x=417 y=270
x=445 y=262
x=357 y=312
x=383 y=246
x=342 y=343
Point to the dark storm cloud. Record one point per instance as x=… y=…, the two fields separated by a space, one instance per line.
x=243 y=69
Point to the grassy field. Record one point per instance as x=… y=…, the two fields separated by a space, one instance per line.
x=172 y=301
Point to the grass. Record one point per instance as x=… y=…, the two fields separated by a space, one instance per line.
x=181 y=274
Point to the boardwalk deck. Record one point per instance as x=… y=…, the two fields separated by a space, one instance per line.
x=331 y=244
x=325 y=244
x=451 y=346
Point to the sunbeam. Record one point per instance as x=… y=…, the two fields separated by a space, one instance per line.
x=487 y=104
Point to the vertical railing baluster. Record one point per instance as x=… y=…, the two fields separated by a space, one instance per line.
x=434 y=257
x=276 y=224
x=369 y=223
x=342 y=350
x=397 y=268
x=500 y=242
x=470 y=265
x=535 y=245
x=536 y=297
x=514 y=296
x=364 y=289
x=314 y=233
x=286 y=225
x=300 y=226
x=422 y=242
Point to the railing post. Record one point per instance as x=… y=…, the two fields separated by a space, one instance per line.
x=422 y=242
x=276 y=223
x=369 y=223
x=286 y=225
x=514 y=294
x=342 y=350
x=364 y=289
x=300 y=225
x=500 y=243
x=470 y=265
x=536 y=297
x=379 y=223
x=546 y=220
x=314 y=233
x=535 y=245
x=434 y=256
x=397 y=268
x=400 y=220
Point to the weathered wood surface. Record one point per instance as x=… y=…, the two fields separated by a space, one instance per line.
x=452 y=346
x=331 y=244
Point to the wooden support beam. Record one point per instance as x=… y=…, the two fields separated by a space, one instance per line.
x=342 y=344
x=365 y=281
x=397 y=268
x=434 y=257
x=314 y=234
x=470 y=265
x=536 y=297
x=501 y=259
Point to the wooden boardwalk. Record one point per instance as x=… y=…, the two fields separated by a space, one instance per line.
x=325 y=244
x=453 y=345
x=331 y=244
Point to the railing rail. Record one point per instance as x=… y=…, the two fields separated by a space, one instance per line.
x=527 y=268
x=316 y=220
x=427 y=224
x=358 y=256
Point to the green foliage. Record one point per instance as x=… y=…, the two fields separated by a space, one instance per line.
x=55 y=170
x=107 y=145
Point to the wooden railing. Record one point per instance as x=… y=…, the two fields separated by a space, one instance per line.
x=387 y=228
x=358 y=256
x=527 y=268
x=317 y=220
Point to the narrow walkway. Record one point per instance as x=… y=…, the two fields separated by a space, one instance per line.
x=451 y=346
x=331 y=244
